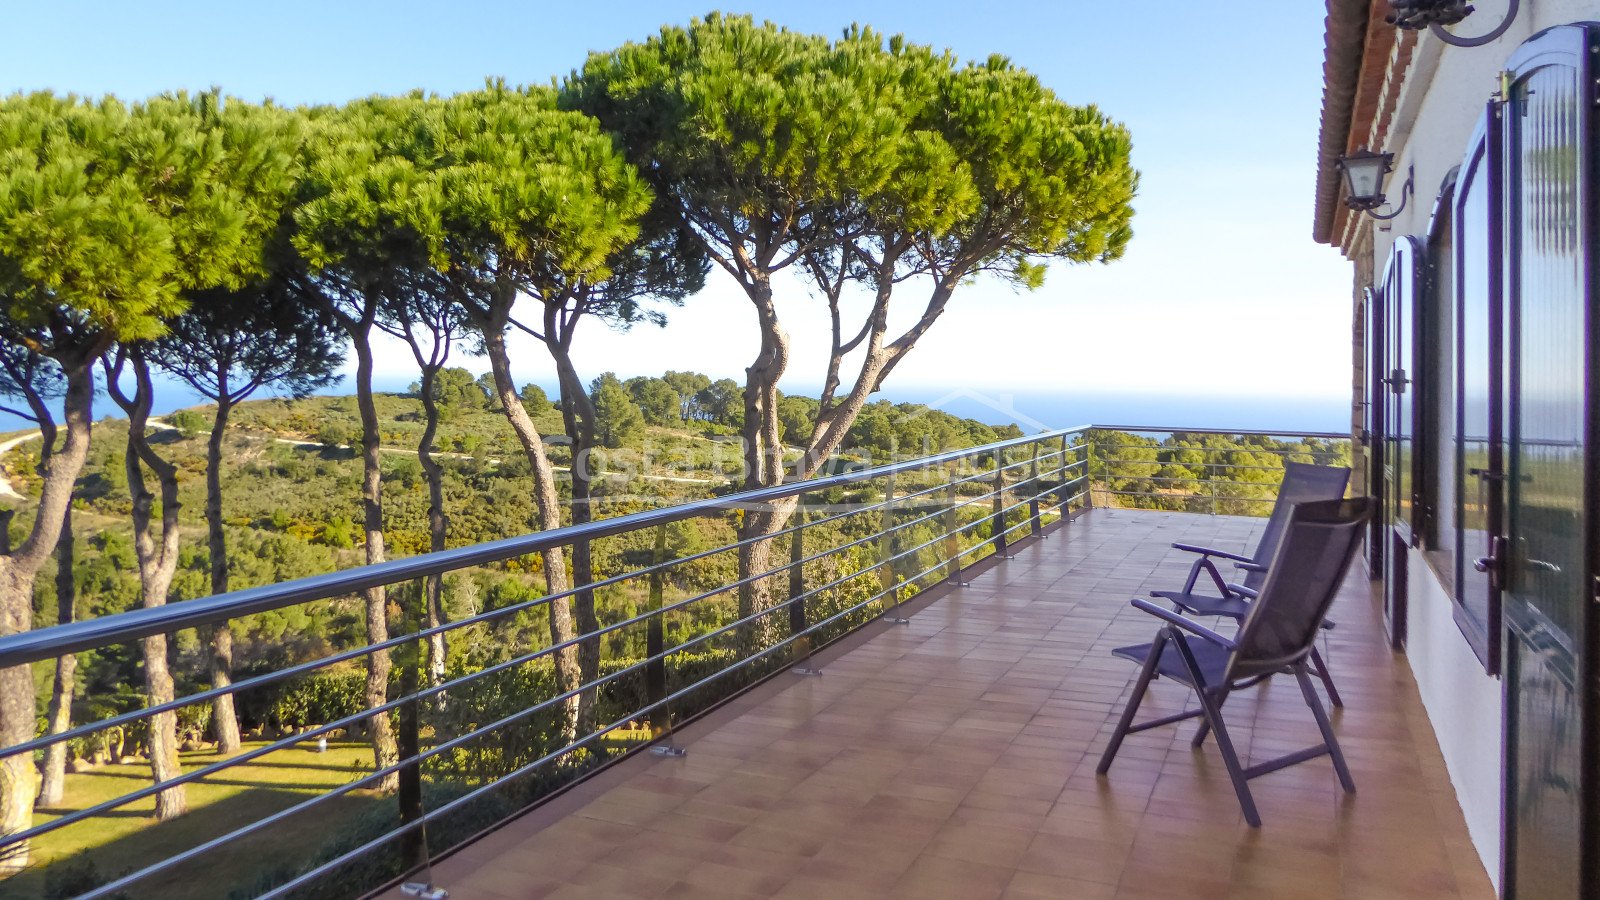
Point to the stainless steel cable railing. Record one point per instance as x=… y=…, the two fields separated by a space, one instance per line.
x=1219 y=482
x=847 y=562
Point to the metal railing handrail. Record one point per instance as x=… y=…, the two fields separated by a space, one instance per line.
x=125 y=627
x=1165 y=429
x=410 y=762
x=42 y=741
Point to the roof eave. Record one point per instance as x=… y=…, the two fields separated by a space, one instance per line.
x=1345 y=47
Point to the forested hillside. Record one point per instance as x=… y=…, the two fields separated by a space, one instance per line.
x=292 y=498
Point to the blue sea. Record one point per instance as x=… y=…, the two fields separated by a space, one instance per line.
x=1032 y=410
x=1049 y=410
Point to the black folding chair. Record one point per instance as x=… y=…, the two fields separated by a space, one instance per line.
x=1301 y=483
x=1277 y=636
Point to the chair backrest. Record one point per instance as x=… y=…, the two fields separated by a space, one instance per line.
x=1319 y=541
x=1301 y=483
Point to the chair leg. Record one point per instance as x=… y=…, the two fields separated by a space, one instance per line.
x=1327 y=679
x=1139 y=687
x=1205 y=727
x=1213 y=716
x=1326 y=727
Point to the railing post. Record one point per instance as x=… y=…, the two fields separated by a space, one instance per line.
x=408 y=744
x=1211 y=483
x=1088 y=471
x=1033 y=495
x=997 y=521
x=886 y=553
x=655 y=645
x=797 y=598
x=1063 y=495
x=952 y=533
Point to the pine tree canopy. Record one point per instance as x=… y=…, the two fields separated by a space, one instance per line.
x=109 y=212
x=538 y=194
x=82 y=250
x=762 y=136
x=751 y=129
x=1053 y=180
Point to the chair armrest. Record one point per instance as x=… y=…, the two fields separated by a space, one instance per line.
x=1186 y=624
x=1240 y=589
x=1207 y=551
x=1250 y=566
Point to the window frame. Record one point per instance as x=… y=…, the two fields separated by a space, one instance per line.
x=1437 y=383
x=1483 y=160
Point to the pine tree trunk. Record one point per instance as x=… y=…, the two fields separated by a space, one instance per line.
x=224 y=723
x=384 y=750
x=433 y=587
x=756 y=557
x=763 y=457
x=548 y=502
x=59 y=717
x=578 y=416
x=18 y=787
x=164 y=763
x=157 y=564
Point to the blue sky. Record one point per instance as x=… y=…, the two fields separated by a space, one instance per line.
x=1221 y=292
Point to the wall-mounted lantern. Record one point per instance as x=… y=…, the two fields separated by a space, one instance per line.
x=1363 y=173
x=1419 y=14
x=1434 y=15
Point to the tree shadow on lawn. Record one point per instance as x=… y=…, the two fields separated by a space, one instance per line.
x=216 y=873
x=128 y=837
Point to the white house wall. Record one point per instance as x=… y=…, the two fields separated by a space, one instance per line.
x=1463 y=706
x=1435 y=113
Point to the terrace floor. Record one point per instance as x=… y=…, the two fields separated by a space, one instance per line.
x=954 y=758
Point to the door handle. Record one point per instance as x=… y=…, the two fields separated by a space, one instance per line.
x=1492 y=565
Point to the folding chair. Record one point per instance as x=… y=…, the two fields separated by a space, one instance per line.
x=1277 y=636
x=1301 y=483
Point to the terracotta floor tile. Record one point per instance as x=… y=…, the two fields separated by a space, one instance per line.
x=1026 y=885
x=936 y=878
x=807 y=887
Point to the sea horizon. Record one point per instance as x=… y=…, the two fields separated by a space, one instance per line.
x=1032 y=409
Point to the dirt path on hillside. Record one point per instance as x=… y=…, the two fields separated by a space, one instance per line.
x=6 y=490
x=163 y=426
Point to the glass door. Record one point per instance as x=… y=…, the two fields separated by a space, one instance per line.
x=1544 y=561
x=1478 y=442
x=1375 y=358
x=1395 y=394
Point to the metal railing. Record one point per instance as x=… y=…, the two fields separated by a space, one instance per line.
x=494 y=736
x=937 y=512
x=1199 y=469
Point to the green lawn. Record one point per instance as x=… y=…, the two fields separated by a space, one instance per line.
x=128 y=837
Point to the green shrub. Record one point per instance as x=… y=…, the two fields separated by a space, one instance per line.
x=339 y=533
x=306 y=701
x=72 y=877
x=620 y=698
x=188 y=422
x=333 y=434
